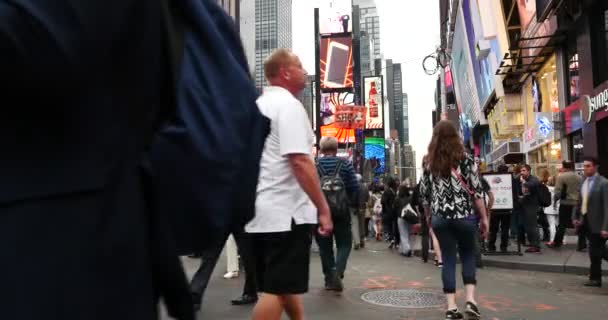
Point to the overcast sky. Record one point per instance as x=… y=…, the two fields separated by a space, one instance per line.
x=409 y=31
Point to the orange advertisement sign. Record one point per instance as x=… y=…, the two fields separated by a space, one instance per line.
x=350 y=117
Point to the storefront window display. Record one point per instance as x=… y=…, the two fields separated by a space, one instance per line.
x=577 y=147
x=575 y=91
x=549 y=157
x=541 y=93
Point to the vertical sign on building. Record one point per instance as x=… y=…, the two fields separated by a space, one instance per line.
x=372 y=93
x=335 y=72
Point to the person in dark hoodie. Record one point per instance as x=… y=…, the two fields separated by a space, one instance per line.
x=80 y=234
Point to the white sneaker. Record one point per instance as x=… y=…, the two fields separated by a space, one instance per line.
x=231 y=275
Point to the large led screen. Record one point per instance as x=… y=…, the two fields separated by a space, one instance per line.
x=330 y=111
x=372 y=93
x=335 y=16
x=336 y=62
x=375 y=154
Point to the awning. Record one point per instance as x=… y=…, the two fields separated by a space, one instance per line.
x=527 y=57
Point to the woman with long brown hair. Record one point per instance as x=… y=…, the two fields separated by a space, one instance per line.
x=452 y=191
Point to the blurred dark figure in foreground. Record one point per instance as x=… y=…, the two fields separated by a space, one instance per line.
x=83 y=89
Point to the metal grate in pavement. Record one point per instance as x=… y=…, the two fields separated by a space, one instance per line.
x=404 y=298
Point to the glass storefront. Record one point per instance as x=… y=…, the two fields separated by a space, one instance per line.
x=548 y=156
x=542 y=92
x=576 y=143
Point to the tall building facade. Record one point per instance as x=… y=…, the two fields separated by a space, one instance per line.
x=397 y=103
x=370 y=23
x=307 y=98
x=272 y=31
x=406 y=120
x=409 y=164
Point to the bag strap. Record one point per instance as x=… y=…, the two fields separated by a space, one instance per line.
x=462 y=182
x=338 y=167
x=320 y=170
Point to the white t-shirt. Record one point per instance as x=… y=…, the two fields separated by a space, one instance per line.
x=280 y=199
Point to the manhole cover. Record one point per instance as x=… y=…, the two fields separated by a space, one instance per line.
x=404 y=298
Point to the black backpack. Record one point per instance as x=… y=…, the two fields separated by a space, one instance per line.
x=334 y=190
x=544 y=196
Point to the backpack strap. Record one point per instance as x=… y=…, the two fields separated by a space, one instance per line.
x=338 y=167
x=320 y=170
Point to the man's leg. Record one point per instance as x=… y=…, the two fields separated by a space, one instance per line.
x=565 y=215
x=494 y=226
x=200 y=280
x=544 y=223
x=354 y=227
x=344 y=238
x=293 y=306
x=596 y=253
x=269 y=307
x=244 y=242
x=582 y=234
x=515 y=224
x=505 y=224
x=531 y=226
x=328 y=260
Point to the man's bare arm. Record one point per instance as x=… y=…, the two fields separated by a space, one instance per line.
x=306 y=174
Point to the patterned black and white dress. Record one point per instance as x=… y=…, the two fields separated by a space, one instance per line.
x=447 y=196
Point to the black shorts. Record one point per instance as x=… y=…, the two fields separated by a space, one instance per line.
x=283 y=260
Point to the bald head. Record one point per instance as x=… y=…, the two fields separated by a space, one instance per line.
x=284 y=69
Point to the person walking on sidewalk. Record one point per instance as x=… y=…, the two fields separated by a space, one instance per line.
x=567 y=191
x=501 y=219
x=358 y=226
x=339 y=183
x=530 y=206
x=593 y=217
x=389 y=218
x=403 y=202
x=451 y=190
x=289 y=199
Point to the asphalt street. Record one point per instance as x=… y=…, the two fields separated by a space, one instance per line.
x=375 y=272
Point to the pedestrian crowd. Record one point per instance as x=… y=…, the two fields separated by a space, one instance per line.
x=132 y=142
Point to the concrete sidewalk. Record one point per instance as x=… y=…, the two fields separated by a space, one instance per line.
x=563 y=260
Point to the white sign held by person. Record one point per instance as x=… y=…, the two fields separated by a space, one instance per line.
x=502 y=188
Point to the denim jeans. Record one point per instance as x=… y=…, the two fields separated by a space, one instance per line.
x=335 y=265
x=453 y=235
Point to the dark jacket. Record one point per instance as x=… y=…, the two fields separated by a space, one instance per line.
x=597 y=206
x=82 y=85
x=388 y=204
x=531 y=198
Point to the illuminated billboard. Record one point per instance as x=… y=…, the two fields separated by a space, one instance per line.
x=335 y=16
x=374 y=103
x=333 y=106
x=336 y=62
x=375 y=154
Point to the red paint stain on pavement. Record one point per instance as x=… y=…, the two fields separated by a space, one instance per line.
x=416 y=284
x=381 y=282
x=497 y=303
x=544 y=307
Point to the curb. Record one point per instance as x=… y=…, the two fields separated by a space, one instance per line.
x=526 y=266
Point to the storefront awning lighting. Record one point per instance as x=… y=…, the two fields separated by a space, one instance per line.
x=527 y=56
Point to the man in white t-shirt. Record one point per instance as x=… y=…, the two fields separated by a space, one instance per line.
x=289 y=198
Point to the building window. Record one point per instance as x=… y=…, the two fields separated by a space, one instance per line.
x=574 y=91
x=599 y=42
